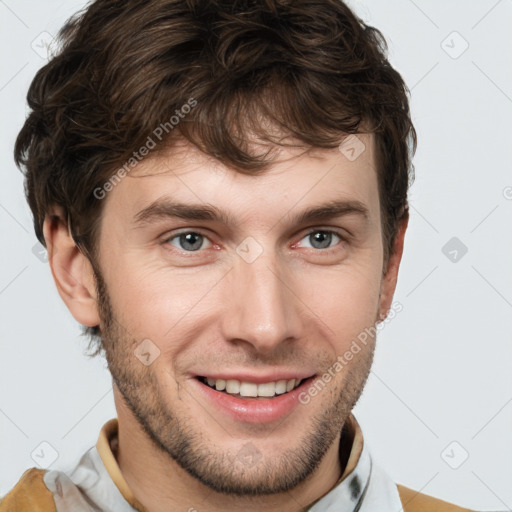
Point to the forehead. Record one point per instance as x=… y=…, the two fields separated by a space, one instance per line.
x=295 y=178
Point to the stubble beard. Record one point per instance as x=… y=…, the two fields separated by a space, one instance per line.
x=177 y=435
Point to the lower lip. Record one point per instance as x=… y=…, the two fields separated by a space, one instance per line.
x=254 y=410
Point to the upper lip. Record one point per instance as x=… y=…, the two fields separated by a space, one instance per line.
x=273 y=376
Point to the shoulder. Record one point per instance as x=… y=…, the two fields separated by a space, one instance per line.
x=30 y=494
x=413 y=501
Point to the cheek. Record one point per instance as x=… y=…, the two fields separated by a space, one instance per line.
x=153 y=301
x=346 y=300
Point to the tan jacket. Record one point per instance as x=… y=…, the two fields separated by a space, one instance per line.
x=31 y=495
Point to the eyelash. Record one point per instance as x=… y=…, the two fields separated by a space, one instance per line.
x=325 y=231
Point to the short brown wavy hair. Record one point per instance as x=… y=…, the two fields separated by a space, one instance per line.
x=311 y=68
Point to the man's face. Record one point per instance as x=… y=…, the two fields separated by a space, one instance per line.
x=259 y=297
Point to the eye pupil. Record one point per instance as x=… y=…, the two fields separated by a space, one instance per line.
x=321 y=239
x=191 y=241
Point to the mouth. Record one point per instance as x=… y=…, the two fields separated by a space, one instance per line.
x=253 y=399
x=252 y=390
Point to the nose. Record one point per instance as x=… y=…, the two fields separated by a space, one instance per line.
x=261 y=307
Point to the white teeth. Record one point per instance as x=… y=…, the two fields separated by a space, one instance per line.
x=220 y=384
x=280 y=387
x=250 y=389
x=267 y=389
x=290 y=385
x=233 y=387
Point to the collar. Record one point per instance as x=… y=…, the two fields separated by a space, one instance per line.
x=107 y=446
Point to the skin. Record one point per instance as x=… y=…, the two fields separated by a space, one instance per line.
x=296 y=306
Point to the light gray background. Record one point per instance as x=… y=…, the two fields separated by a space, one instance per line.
x=443 y=366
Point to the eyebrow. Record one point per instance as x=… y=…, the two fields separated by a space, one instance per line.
x=165 y=208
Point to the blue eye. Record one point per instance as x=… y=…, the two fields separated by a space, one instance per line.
x=189 y=241
x=321 y=239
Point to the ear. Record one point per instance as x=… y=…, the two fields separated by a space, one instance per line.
x=390 y=276
x=71 y=270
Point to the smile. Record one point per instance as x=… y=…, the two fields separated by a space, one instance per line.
x=251 y=389
x=254 y=399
